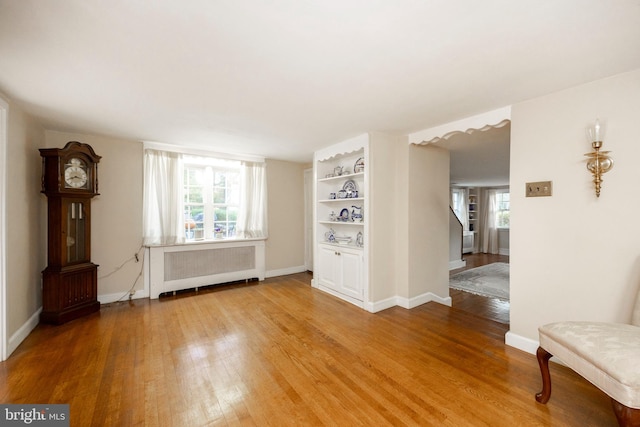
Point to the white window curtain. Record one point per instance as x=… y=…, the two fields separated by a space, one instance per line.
x=464 y=208
x=461 y=206
x=163 y=220
x=489 y=230
x=252 y=217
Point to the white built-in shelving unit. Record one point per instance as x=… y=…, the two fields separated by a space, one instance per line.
x=340 y=223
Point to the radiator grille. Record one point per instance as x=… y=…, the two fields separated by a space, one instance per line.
x=187 y=264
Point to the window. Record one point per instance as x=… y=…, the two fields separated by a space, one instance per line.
x=192 y=197
x=211 y=198
x=502 y=213
x=459 y=205
x=457 y=202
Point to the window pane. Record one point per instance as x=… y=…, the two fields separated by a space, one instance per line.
x=502 y=216
x=233 y=188
x=194 y=176
x=220 y=179
x=221 y=214
x=193 y=195
x=219 y=195
x=232 y=213
x=193 y=185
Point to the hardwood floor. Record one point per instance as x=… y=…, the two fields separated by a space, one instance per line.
x=281 y=353
x=488 y=308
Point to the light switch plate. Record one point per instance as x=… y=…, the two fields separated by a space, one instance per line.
x=538 y=189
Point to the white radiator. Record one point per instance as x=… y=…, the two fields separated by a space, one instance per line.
x=174 y=268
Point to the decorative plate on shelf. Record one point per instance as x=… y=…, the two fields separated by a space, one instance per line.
x=350 y=186
x=359 y=165
x=359 y=241
x=344 y=214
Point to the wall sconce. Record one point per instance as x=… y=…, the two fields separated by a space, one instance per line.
x=598 y=162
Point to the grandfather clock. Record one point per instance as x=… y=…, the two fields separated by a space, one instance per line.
x=70 y=281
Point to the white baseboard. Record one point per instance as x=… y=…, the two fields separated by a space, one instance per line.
x=423 y=299
x=374 y=307
x=407 y=303
x=122 y=296
x=459 y=263
x=521 y=343
x=23 y=332
x=285 y=271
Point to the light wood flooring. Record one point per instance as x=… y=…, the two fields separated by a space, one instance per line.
x=280 y=353
x=489 y=308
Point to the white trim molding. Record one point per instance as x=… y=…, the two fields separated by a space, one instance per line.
x=160 y=146
x=4 y=135
x=23 y=332
x=458 y=263
x=350 y=145
x=481 y=122
x=407 y=303
x=285 y=271
x=521 y=343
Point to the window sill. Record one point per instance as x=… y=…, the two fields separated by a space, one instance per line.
x=211 y=241
x=229 y=240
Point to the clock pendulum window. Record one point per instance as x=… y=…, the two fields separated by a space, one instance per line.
x=70 y=281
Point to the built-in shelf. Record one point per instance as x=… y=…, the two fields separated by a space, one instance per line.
x=341 y=177
x=341 y=222
x=341 y=268
x=355 y=199
x=343 y=245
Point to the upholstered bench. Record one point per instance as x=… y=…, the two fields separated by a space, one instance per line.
x=606 y=354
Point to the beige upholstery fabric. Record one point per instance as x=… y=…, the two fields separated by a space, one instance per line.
x=606 y=354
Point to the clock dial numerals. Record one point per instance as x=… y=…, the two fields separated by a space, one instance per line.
x=75 y=174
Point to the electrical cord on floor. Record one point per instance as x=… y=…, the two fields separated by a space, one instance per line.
x=136 y=257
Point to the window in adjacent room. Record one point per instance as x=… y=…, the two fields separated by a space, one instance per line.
x=502 y=212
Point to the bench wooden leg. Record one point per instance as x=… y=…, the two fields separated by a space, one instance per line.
x=543 y=360
x=627 y=417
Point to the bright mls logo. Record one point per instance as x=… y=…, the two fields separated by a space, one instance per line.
x=37 y=415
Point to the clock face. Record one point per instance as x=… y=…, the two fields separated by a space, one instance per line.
x=75 y=174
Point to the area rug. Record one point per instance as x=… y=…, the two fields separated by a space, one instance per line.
x=491 y=280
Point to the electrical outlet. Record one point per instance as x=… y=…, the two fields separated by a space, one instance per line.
x=538 y=189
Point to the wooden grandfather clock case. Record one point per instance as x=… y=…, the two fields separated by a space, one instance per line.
x=70 y=281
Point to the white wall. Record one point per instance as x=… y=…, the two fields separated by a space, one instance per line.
x=23 y=226
x=385 y=202
x=428 y=222
x=574 y=256
x=24 y=244
x=116 y=222
x=285 y=247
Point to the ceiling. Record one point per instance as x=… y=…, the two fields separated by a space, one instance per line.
x=479 y=158
x=286 y=77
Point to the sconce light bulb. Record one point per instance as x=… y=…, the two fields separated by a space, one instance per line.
x=595 y=133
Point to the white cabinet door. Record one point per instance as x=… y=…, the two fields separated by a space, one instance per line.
x=340 y=269
x=351 y=262
x=328 y=268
